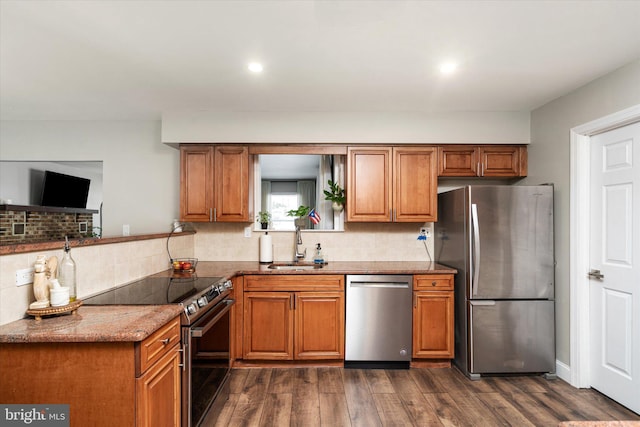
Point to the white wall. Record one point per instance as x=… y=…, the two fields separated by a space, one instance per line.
x=141 y=175
x=346 y=127
x=549 y=161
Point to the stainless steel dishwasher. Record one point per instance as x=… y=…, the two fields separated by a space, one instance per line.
x=378 y=321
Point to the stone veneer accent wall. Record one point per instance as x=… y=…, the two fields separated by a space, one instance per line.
x=37 y=226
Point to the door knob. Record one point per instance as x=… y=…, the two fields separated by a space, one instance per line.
x=595 y=274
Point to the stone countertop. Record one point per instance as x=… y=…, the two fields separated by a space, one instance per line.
x=228 y=269
x=113 y=323
x=122 y=323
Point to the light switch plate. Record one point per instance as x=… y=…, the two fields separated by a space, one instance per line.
x=24 y=276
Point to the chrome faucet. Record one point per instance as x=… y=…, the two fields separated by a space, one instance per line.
x=297 y=242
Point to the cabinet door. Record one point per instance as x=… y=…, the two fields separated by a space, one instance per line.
x=268 y=325
x=458 y=161
x=433 y=325
x=232 y=183
x=415 y=190
x=319 y=325
x=502 y=161
x=196 y=183
x=369 y=184
x=158 y=393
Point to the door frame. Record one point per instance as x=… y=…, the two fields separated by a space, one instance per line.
x=580 y=218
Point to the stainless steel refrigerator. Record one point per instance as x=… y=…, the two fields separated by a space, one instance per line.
x=500 y=239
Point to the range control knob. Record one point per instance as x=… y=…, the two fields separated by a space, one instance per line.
x=202 y=301
x=191 y=308
x=228 y=284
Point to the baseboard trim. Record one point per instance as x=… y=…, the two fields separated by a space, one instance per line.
x=563 y=371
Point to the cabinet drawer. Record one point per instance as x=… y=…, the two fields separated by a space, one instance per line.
x=439 y=282
x=152 y=348
x=293 y=282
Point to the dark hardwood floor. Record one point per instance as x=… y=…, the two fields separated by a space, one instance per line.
x=416 y=397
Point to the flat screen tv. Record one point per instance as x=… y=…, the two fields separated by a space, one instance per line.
x=64 y=191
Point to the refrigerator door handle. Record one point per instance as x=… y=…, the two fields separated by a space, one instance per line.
x=475 y=262
x=482 y=302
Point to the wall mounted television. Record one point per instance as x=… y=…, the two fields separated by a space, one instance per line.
x=64 y=191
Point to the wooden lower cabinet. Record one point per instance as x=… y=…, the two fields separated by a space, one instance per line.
x=433 y=317
x=293 y=325
x=158 y=393
x=104 y=383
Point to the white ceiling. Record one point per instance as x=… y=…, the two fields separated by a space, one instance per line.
x=116 y=59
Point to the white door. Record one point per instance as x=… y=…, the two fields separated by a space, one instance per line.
x=615 y=251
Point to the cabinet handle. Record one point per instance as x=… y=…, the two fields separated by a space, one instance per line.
x=165 y=341
x=210 y=215
x=291 y=302
x=183 y=365
x=434 y=283
x=415 y=300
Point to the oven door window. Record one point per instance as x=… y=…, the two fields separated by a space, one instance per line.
x=209 y=361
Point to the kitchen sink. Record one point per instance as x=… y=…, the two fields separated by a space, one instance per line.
x=294 y=266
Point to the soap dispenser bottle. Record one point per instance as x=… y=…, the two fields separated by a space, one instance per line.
x=67 y=271
x=318 y=258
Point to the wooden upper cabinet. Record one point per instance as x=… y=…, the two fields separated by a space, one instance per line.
x=214 y=183
x=196 y=183
x=387 y=184
x=503 y=161
x=369 y=184
x=415 y=195
x=231 y=183
x=496 y=161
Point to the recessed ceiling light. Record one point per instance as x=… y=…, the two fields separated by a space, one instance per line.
x=255 y=67
x=448 y=67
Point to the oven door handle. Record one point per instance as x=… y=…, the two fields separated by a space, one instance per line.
x=199 y=331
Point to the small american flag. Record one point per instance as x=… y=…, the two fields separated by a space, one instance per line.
x=314 y=216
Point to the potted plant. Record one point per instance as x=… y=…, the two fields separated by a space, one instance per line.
x=264 y=217
x=336 y=195
x=300 y=213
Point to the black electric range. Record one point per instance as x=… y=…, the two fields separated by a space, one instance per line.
x=194 y=293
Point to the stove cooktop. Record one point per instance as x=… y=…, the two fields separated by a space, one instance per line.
x=155 y=291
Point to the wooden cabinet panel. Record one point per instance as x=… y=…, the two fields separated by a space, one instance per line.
x=433 y=325
x=369 y=184
x=289 y=325
x=433 y=282
x=388 y=184
x=458 y=161
x=155 y=345
x=196 y=183
x=101 y=381
x=268 y=325
x=158 y=393
x=495 y=161
x=319 y=325
x=292 y=282
x=415 y=194
x=502 y=161
x=214 y=183
x=231 y=183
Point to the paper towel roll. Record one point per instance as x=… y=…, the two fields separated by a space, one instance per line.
x=266 y=248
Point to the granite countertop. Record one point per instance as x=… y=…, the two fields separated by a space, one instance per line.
x=228 y=269
x=118 y=323
x=114 y=323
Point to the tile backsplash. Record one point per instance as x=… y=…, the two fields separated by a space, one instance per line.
x=99 y=267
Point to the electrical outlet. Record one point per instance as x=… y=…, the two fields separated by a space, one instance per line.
x=247 y=231
x=126 y=230
x=423 y=230
x=427 y=232
x=24 y=276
